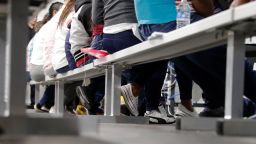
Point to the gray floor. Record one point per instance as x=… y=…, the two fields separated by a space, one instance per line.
x=134 y=134
x=137 y=134
x=155 y=134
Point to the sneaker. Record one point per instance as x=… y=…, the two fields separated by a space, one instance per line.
x=81 y=92
x=52 y=110
x=253 y=117
x=94 y=52
x=208 y=112
x=130 y=100
x=81 y=110
x=38 y=108
x=182 y=111
x=45 y=109
x=30 y=106
x=156 y=117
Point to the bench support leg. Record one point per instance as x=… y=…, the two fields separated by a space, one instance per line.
x=59 y=98
x=107 y=104
x=233 y=124
x=15 y=73
x=234 y=75
x=115 y=90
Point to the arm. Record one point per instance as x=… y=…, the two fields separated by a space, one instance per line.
x=236 y=3
x=97 y=12
x=79 y=38
x=203 y=7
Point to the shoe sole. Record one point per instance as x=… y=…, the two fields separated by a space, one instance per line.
x=41 y=110
x=159 y=120
x=81 y=95
x=128 y=101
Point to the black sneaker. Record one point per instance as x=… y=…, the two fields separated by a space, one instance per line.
x=31 y=106
x=208 y=112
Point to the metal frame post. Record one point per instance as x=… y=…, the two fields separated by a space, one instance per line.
x=15 y=62
x=2 y=72
x=107 y=102
x=234 y=75
x=115 y=89
x=59 y=98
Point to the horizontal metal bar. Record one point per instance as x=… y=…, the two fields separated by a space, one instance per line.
x=236 y=127
x=164 y=48
x=192 y=123
x=47 y=126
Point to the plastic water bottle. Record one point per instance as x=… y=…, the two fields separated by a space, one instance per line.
x=167 y=101
x=183 y=14
x=170 y=100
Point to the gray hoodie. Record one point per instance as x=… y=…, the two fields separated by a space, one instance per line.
x=119 y=11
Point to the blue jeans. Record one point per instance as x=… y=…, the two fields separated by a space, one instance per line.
x=96 y=44
x=63 y=69
x=208 y=70
x=48 y=98
x=147 y=29
x=111 y=43
x=69 y=56
x=151 y=76
x=32 y=90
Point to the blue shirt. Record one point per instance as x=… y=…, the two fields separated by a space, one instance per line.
x=155 y=11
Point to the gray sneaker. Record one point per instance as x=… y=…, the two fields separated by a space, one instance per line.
x=82 y=93
x=130 y=100
x=156 y=117
x=182 y=111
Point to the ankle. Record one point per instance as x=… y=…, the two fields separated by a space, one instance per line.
x=188 y=105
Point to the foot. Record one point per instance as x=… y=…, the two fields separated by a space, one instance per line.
x=253 y=117
x=131 y=101
x=31 y=106
x=81 y=110
x=182 y=111
x=39 y=108
x=209 y=112
x=156 y=117
x=82 y=93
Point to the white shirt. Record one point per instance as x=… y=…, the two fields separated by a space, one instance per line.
x=119 y=28
x=78 y=36
x=37 y=53
x=114 y=29
x=59 y=59
x=50 y=40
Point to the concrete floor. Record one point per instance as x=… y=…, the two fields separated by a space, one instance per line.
x=164 y=134
x=134 y=134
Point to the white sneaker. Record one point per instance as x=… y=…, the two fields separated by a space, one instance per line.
x=130 y=100
x=157 y=118
x=39 y=108
x=182 y=111
x=52 y=110
x=45 y=109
